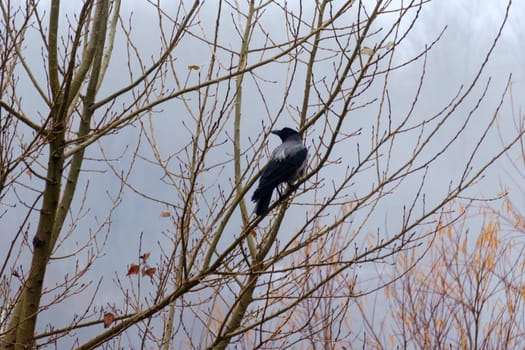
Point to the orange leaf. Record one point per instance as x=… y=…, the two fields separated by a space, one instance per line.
x=145 y=257
x=149 y=271
x=392 y=340
x=108 y=319
x=165 y=214
x=133 y=269
x=464 y=247
x=194 y=67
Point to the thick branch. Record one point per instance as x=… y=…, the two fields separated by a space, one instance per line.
x=22 y=117
x=52 y=49
x=97 y=42
x=237 y=122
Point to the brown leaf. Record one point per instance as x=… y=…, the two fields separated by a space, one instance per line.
x=108 y=319
x=254 y=234
x=145 y=257
x=133 y=269
x=194 y=67
x=149 y=271
x=165 y=214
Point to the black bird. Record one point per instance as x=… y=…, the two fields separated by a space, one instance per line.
x=287 y=163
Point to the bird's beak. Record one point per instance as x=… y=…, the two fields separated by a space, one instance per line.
x=275 y=132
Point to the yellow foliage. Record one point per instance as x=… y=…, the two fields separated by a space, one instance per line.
x=441 y=323
x=463 y=341
x=489 y=262
x=464 y=247
x=420 y=276
x=508 y=205
x=461 y=209
x=489 y=236
x=440 y=230
x=518 y=222
x=388 y=293
x=392 y=340
x=427 y=336
x=476 y=259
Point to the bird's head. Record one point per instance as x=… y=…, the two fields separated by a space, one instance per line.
x=285 y=133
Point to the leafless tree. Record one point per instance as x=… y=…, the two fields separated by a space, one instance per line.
x=219 y=73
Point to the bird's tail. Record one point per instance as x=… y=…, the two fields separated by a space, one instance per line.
x=262 y=197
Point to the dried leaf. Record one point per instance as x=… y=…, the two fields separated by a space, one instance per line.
x=194 y=67
x=133 y=269
x=145 y=257
x=517 y=222
x=253 y=233
x=108 y=319
x=441 y=323
x=464 y=247
x=149 y=271
x=365 y=50
x=489 y=236
x=489 y=262
x=165 y=214
x=389 y=45
x=508 y=205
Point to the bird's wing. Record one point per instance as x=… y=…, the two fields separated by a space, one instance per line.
x=283 y=165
